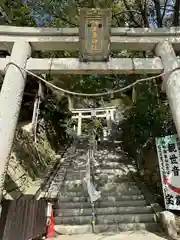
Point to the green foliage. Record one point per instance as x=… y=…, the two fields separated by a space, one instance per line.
x=55 y=113
x=149 y=117
x=15 y=13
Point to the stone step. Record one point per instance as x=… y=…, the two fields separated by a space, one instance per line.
x=103 y=160
x=110 y=176
x=105 y=198
x=87 y=229
x=56 y=195
x=104 y=185
x=97 y=170
x=104 y=179
x=108 y=164
x=79 y=185
x=79 y=182
x=73 y=229
x=119 y=192
x=110 y=171
x=79 y=174
x=98 y=173
x=102 y=211
x=152 y=227
x=108 y=155
x=104 y=193
x=101 y=204
x=105 y=165
x=121 y=185
x=104 y=219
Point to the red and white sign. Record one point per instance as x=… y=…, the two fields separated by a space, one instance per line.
x=168 y=149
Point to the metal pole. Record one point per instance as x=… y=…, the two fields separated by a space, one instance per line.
x=10 y=102
x=171 y=82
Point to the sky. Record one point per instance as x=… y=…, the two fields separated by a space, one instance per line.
x=152 y=16
x=41 y=20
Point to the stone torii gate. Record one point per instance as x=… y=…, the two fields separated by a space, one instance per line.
x=80 y=114
x=22 y=41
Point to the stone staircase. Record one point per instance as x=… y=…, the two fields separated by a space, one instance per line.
x=122 y=206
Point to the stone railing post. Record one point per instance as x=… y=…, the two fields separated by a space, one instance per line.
x=79 y=124
x=171 y=82
x=112 y=115
x=10 y=103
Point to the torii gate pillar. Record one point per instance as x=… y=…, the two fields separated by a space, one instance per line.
x=10 y=103
x=171 y=82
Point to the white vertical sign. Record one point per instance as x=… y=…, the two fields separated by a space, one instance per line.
x=168 y=149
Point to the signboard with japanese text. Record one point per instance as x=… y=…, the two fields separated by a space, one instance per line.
x=168 y=150
x=94 y=34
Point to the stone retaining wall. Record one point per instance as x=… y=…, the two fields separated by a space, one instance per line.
x=28 y=161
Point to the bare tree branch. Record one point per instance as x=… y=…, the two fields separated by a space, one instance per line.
x=176 y=13
x=158 y=12
x=144 y=13
x=164 y=11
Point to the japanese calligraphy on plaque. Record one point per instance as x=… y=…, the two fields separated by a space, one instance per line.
x=94 y=34
x=168 y=149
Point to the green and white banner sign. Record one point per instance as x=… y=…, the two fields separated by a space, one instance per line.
x=168 y=150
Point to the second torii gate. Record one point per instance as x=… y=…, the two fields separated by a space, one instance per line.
x=22 y=41
x=80 y=114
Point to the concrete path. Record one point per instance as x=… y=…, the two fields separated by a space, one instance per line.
x=142 y=235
